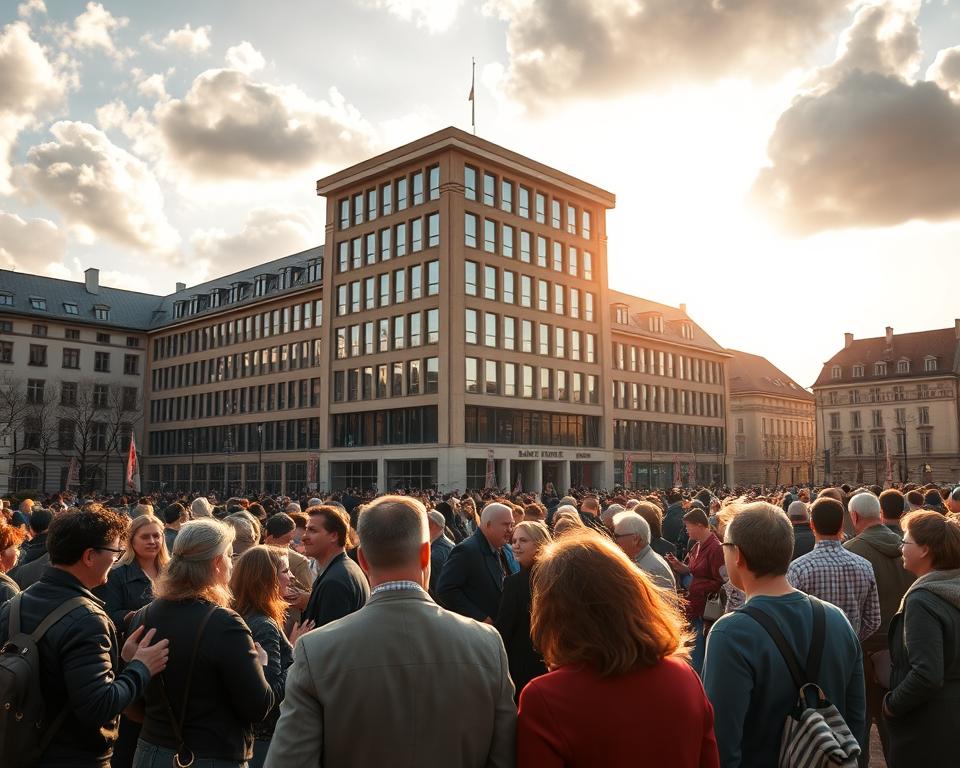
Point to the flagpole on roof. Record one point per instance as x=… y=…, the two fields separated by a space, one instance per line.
x=472 y=98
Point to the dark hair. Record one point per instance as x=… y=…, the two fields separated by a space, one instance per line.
x=651 y=513
x=174 y=512
x=279 y=525
x=826 y=516
x=764 y=536
x=257 y=511
x=674 y=495
x=696 y=516
x=40 y=520
x=299 y=518
x=335 y=520
x=915 y=497
x=73 y=533
x=940 y=534
x=891 y=504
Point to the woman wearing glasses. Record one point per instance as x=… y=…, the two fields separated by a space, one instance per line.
x=923 y=705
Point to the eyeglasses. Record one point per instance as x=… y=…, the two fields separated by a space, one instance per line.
x=117 y=553
x=623 y=535
x=905 y=542
x=727 y=544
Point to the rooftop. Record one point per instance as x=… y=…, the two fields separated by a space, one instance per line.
x=748 y=373
x=640 y=310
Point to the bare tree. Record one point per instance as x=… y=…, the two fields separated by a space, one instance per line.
x=87 y=441
x=13 y=411
x=40 y=426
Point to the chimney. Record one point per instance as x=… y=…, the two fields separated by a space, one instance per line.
x=683 y=308
x=181 y=287
x=847 y=340
x=91 y=279
x=889 y=337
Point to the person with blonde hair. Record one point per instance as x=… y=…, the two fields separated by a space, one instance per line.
x=615 y=647
x=513 y=618
x=215 y=676
x=567 y=519
x=246 y=531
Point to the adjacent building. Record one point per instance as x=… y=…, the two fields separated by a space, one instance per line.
x=773 y=422
x=891 y=399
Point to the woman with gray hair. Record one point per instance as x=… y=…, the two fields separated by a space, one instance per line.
x=213 y=690
x=201 y=507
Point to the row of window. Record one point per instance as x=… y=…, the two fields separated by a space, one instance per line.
x=895 y=393
x=288 y=277
x=252 y=437
x=506 y=287
x=239 y=365
x=549 y=254
x=493 y=377
x=879 y=445
x=396 y=379
x=395 y=195
x=91 y=398
x=388 y=334
x=37 y=356
x=656 y=362
x=500 y=332
x=396 y=287
x=389 y=243
x=501 y=193
x=782 y=427
x=666 y=437
x=82 y=437
x=398 y=426
x=876 y=418
x=231 y=477
x=300 y=393
x=632 y=396
x=39 y=303
x=262 y=325
x=880 y=368
x=509 y=426
x=71 y=334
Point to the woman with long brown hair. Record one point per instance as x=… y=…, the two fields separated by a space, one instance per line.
x=620 y=691
x=261 y=582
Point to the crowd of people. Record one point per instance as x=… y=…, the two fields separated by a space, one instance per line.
x=669 y=627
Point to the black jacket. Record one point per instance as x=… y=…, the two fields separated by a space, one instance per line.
x=513 y=624
x=340 y=590
x=924 y=700
x=279 y=658
x=29 y=574
x=229 y=692
x=79 y=669
x=440 y=549
x=33 y=549
x=673 y=528
x=472 y=579
x=8 y=588
x=803 y=540
x=663 y=547
x=127 y=589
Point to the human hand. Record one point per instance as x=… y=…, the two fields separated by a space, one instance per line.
x=261 y=655
x=300 y=628
x=153 y=657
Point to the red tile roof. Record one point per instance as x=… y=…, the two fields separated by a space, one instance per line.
x=753 y=373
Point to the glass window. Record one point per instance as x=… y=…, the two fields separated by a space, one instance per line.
x=489 y=236
x=356 y=253
x=470 y=326
x=433 y=180
x=383 y=334
x=555 y=213
x=399 y=286
x=523 y=207
x=472 y=372
x=368 y=337
x=526 y=336
x=354 y=341
x=509 y=333
x=469 y=182
x=416 y=282
x=575 y=303
x=546 y=388
x=355 y=296
x=525 y=247
x=572 y=265
x=576 y=387
x=341 y=300
x=585 y=225
x=541 y=208
x=370 y=293
x=489 y=329
x=506 y=195
x=543 y=339
x=587 y=265
x=371 y=204
x=588 y=306
x=344 y=206
x=543 y=295
x=470 y=230
x=433 y=230
x=558 y=296
x=433 y=278
x=400 y=244
x=385 y=244
x=413 y=322
x=526 y=290
x=401 y=194
x=510 y=379
x=490 y=283
x=560 y=341
x=433 y=326
x=470 y=278
x=416 y=235
x=371 y=248
x=541 y=251
x=489 y=189
x=385 y=289
x=358 y=208
x=386 y=198
x=508 y=286
x=506 y=247
x=527 y=390
x=491 y=384
x=571 y=220
x=417 y=185
x=343 y=256
x=399 y=332
x=557 y=256
x=562 y=393
x=432 y=381
x=591 y=356
x=413 y=377
x=341 y=344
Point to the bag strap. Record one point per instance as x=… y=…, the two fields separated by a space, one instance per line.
x=765 y=621
x=176 y=724
x=815 y=653
x=815 y=656
x=54 y=616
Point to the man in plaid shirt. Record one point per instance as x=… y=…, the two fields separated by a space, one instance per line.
x=835 y=574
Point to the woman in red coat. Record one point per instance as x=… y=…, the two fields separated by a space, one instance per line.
x=620 y=692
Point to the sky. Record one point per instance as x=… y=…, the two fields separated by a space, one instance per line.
x=789 y=170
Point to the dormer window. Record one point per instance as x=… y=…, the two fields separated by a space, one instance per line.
x=179 y=309
x=101 y=312
x=314 y=270
x=858 y=371
x=621 y=314
x=929 y=364
x=903 y=366
x=70 y=308
x=835 y=372
x=259 y=285
x=686 y=329
x=6 y=299
x=880 y=369
x=655 y=323
x=215 y=298
x=38 y=302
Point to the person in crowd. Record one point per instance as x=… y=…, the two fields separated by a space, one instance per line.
x=702 y=566
x=892 y=505
x=200 y=507
x=79 y=656
x=256 y=509
x=744 y=673
x=590 y=513
x=407 y=649
x=535 y=512
x=933 y=501
x=608 y=514
x=513 y=618
x=246 y=531
x=214 y=682
x=673 y=519
x=279 y=531
x=913 y=500
x=453 y=523
x=341 y=588
x=833 y=574
x=652 y=514
x=839 y=495
x=440 y=547
x=632 y=533
x=21 y=518
x=10 y=539
x=36 y=547
x=142 y=507
x=566 y=518
x=174 y=516
x=615 y=648
x=468 y=513
x=734 y=598
x=260 y=583
x=953 y=501
x=472 y=579
x=300 y=519
x=923 y=716
x=803 y=539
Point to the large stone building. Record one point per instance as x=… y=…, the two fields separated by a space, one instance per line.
x=470 y=338
x=896 y=395
x=773 y=423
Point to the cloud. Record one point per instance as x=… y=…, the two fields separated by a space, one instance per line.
x=267 y=233
x=94 y=30
x=151 y=86
x=603 y=48
x=31 y=6
x=100 y=189
x=29 y=84
x=433 y=15
x=188 y=40
x=245 y=58
x=945 y=70
x=866 y=146
x=28 y=245
x=229 y=126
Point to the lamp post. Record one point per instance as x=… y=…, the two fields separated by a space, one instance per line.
x=190 y=447
x=227 y=449
x=260 y=452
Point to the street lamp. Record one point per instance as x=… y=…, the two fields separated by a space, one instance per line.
x=190 y=448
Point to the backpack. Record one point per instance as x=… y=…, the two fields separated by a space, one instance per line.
x=814 y=735
x=24 y=733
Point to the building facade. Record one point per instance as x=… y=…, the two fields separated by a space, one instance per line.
x=893 y=398
x=773 y=421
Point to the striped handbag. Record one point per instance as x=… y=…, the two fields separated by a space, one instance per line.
x=814 y=734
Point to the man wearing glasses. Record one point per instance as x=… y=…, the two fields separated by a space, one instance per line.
x=80 y=678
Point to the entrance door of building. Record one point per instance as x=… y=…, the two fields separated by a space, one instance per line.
x=588 y=474
x=524 y=474
x=553 y=473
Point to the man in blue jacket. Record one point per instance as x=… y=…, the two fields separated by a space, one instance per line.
x=472 y=579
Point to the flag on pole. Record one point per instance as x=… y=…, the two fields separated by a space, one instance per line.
x=73 y=473
x=628 y=472
x=133 y=469
x=490 y=480
x=692 y=474
x=889 y=465
x=677 y=478
x=472 y=98
x=518 y=486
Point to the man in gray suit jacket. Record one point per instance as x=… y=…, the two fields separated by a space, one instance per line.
x=401 y=682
